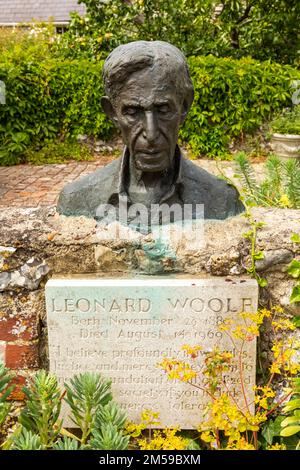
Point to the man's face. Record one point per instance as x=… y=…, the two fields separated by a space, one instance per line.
x=149 y=113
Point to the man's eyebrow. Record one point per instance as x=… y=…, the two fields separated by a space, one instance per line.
x=129 y=104
x=162 y=103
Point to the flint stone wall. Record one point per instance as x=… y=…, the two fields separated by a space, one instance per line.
x=36 y=244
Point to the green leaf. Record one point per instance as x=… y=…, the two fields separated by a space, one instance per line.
x=277 y=425
x=295 y=296
x=292 y=405
x=296 y=321
x=290 y=431
x=259 y=255
x=289 y=420
x=66 y=444
x=268 y=432
x=86 y=393
x=294 y=269
x=262 y=282
x=295 y=238
x=27 y=440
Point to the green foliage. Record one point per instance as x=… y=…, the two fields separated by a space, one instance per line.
x=264 y=29
x=280 y=188
x=41 y=412
x=49 y=99
x=46 y=100
x=27 y=440
x=89 y=397
x=107 y=429
x=247 y=175
x=288 y=122
x=271 y=430
x=233 y=98
x=5 y=391
x=108 y=437
x=291 y=424
x=107 y=25
x=110 y=413
x=58 y=152
x=66 y=444
x=22 y=44
x=293 y=270
x=86 y=393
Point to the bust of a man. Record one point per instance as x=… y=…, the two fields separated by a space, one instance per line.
x=149 y=93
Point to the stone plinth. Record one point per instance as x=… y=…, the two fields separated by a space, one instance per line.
x=123 y=327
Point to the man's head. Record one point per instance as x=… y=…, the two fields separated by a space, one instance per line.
x=149 y=93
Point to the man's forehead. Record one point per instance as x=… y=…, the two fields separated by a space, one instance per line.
x=150 y=80
x=146 y=91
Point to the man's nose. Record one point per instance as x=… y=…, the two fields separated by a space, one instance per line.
x=150 y=131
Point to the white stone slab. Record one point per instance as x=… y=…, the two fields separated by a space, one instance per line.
x=123 y=327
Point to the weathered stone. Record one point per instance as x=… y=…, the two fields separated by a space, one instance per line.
x=28 y=276
x=107 y=259
x=225 y=263
x=123 y=327
x=274 y=257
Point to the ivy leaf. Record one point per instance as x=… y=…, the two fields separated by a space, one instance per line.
x=295 y=297
x=296 y=321
x=258 y=255
x=294 y=269
x=277 y=425
x=262 y=282
x=295 y=238
x=268 y=432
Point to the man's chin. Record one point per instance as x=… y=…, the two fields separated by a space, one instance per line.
x=151 y=168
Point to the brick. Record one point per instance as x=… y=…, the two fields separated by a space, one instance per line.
x=2 y=351
x=14 y=328
x=31 y=186
x=23 y=356
x=17 y=394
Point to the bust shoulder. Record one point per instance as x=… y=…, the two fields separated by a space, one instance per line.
x=220 y=199
x=83 y=196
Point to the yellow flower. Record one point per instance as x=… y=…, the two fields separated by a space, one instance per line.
x=277 y=447
x=165 y=439
x=191 y=350
x=283 y=324
x=150 y=417
x=284 y=201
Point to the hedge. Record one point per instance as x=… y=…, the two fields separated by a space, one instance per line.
x=51 y=99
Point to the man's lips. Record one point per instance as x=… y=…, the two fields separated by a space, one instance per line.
x=149 y=152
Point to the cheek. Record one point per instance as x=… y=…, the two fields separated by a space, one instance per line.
x=170 y=127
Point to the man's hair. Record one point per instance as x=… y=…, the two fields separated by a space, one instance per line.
x=139 y=55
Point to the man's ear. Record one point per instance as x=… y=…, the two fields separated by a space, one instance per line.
x=109 y=109
x=184 y=111
x=186 y=106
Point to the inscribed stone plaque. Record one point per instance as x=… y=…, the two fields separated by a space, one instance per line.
x=123 y=327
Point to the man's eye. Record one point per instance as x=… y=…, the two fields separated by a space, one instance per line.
x=131 y=111
x=163 y=109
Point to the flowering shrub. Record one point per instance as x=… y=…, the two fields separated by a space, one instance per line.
x=229 y=423
x=166 y=439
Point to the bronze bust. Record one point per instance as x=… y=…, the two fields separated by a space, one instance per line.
x=149 y=93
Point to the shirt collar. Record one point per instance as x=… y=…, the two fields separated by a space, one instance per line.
x=177 y=183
